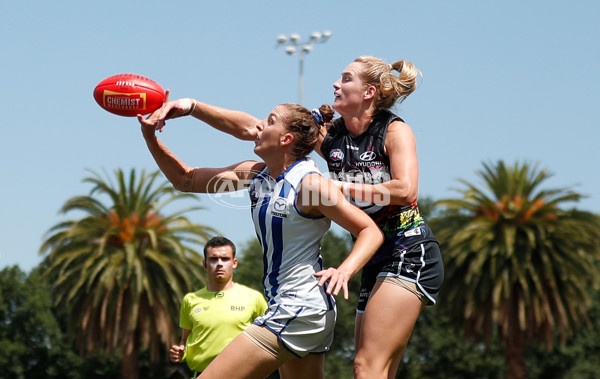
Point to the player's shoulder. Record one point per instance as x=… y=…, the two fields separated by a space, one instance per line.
x=398 y=124
x=300 y=170
x=399 y=130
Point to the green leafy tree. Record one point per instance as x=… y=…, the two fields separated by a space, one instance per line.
x=578 y=358
x=517 y=264
x=339 y=361
x=249 y=271
x=436 y=350
x=30 y=338
x=122 y=269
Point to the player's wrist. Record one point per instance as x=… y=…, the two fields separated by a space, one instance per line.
x=192 y=107
x=149 y=133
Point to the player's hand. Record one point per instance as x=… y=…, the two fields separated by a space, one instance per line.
x=176 y=108
x=172 y=109
x=338 y=280
x=153 y=122
x=176 y=353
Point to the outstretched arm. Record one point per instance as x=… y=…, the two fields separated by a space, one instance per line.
x=237 y=123
x=188 y=179
x=333 y=204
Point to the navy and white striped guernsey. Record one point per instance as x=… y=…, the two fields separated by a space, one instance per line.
x=290 y=240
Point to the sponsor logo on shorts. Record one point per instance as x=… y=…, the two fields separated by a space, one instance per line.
x=412 y=232
x=290 y=294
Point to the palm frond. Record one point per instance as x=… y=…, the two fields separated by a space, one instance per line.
x=126 y=256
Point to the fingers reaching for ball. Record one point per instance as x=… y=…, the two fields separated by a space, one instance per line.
x=154 y=121
x=176 y=108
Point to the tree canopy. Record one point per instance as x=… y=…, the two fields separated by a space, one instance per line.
x=122 y=269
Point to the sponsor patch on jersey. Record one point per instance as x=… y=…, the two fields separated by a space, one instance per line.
x=280 y=208
x=367 y=156
x=336 y=155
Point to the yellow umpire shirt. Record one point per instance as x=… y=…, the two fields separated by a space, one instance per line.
x=215 y=319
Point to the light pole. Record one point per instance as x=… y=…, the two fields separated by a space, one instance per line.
x=293 y=45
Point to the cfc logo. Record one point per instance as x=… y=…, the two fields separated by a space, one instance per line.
x=336 y=155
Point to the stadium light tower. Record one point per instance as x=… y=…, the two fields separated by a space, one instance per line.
x=293 y=45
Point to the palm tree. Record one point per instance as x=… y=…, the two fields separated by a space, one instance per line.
x=518 y=265
x=123 y=268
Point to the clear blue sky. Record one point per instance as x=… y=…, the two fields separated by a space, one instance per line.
x=512 y=80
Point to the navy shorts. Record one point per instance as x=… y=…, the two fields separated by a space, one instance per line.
x=420 y=264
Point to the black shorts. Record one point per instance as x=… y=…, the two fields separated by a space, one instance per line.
x=420 y=264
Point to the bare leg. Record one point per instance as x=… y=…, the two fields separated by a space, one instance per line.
x=311 y=366
x=242 y=358
x=386 y=326
x=357 y=328
x=394 y=366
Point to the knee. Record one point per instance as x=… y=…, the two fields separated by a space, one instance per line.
x=360 y=367
x=372 y=367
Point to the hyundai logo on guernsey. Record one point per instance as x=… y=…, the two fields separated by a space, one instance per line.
x=367 y=156
x=336 y=155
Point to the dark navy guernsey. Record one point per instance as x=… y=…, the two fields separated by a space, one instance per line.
x=362 y=159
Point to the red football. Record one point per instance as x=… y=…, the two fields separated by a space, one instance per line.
x=129 y=95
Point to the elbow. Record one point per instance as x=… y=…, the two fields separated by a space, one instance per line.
x=373 y=234
x=185 y=183
x=178 y=186
x=405 y=195
x=411 y=198
x=181 y=189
